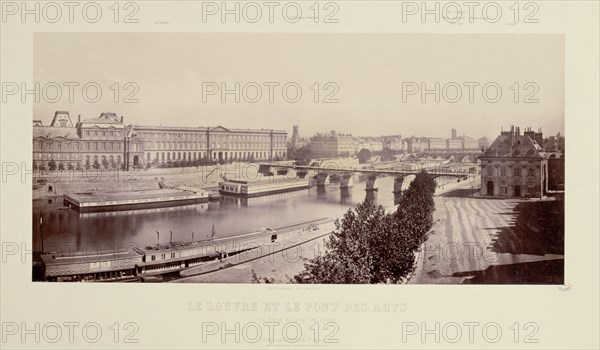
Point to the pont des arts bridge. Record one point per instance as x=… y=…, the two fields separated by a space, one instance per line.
x=345 y=174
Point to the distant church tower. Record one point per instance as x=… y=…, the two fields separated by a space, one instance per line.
x=295 y=136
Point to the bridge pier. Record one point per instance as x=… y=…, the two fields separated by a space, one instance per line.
x=346 y=181
x=371 y=183
x=397 y=197
x=398 y=181
x=320 y=178
x=371 y=196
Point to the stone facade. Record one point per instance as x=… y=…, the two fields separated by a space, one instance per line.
x=333 y=145
x=106 y=142
x=556 y=171
x=168 y=144
x=515 y=165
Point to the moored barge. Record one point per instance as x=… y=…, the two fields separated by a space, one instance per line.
x=137 y=263
x=261 y=188
x=94 y=202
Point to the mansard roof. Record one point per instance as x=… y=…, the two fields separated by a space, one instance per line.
x=51 y=132
x=103 y=119
x=510 y=145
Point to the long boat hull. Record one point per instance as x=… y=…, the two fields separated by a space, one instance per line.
x=91 y=202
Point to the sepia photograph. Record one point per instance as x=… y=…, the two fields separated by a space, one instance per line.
x=302 y=158
x=302 y=174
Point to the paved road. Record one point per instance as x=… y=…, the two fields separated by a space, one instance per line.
x=481 y=240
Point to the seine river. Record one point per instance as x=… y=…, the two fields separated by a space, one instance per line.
x=66 y=230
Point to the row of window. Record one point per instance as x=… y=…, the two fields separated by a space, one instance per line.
x=230 y=188
x=504 y=170
x=56 y=156
x=74 y=146
x=103 y=146
x=116 y=146
x=49 y=145
x=202 y=136
x=162 y=257
x=168 y=156
x=89 y=160
x=199 y=145
x=104 y=133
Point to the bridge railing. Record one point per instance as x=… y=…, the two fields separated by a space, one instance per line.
x=436 y=170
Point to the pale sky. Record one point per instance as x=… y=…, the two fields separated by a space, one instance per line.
x=369 y=70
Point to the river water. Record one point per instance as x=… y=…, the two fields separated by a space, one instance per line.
x=66 y=230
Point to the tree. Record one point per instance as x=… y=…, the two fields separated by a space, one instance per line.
x=416 y=207
x=372 y=246
x=387 y=155
x=303 y=155
x=52 y=165
x=364 y=155
x=366 y=247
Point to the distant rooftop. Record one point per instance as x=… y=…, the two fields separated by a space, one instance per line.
x=104 y=118
x=49 y=132
x=514 y=144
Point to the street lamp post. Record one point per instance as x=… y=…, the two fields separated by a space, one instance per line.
x=41 y=234
x=126 y=155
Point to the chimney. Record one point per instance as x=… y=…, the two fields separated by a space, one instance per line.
x=512 y=135
x=78 y=118
x=539 y=137
x=529 y=133
x=121 y=119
